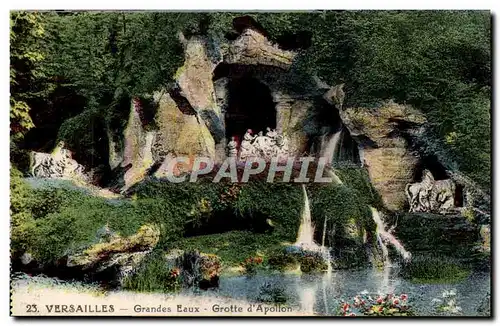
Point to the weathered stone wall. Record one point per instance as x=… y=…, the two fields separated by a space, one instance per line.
x=385 y=151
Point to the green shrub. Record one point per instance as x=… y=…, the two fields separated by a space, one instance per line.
x=344 y=210
x=153 y=275
x=311 y=262
x=359 y=180
x=272 y=293
x=22 y=222
x=283 y=261
x=438 y=269
x=281 y=203
x=232 y=247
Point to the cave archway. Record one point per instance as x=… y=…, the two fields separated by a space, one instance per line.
x=250 y=106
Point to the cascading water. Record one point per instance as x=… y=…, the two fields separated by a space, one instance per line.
x=305 y=238
x=333 y=144
x=384 y=235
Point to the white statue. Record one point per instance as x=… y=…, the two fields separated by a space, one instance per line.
x=247 y=148
x=57 y=164
x=232 y=148
x=430 y=195
x=260 y=143
x=271 y=133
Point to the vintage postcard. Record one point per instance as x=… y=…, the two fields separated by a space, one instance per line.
x=313 y=163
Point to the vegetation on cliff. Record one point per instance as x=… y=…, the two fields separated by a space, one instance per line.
x=440 y=62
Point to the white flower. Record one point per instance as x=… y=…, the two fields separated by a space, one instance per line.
x=435 y=300
x=451 y=293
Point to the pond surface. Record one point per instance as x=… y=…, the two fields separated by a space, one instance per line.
x=321 y=294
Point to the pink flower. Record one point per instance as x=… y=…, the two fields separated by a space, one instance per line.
x=345 y=307
x=352 y=314
x=395 y=301
x=380 y=300
x=363 y=302
x=404 y=297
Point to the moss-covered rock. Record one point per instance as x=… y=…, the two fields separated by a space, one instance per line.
x=446 y=235
x=145 y=239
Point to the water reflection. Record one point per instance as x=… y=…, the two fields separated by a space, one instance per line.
x=321 y=294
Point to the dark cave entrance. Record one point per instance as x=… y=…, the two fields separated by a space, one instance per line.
x=250 y=106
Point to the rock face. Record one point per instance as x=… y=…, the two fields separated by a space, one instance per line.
x=379 y=132
x=137 y=151
x=123 y=254
x=252 y=48
x=198 y=269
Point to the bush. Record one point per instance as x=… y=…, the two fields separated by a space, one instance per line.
x=232 y=247
x=312 y=262
x=153 y=275
x=22 y=222
x=437 y=269
x=292 y=257
x=283 y=261
x=346 y=212
x=251 y=264
x=358 y=180
x=270 y=293
x=280 y=203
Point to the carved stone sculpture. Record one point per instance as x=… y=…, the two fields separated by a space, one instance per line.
x=57 y=164
x=247 y=148
x=265 y=146
x=232 y=148
x=429 y=195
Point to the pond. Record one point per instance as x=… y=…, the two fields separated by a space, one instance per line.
x=321 y=294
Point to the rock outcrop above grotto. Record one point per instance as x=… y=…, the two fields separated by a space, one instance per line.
x=253 y=48
x=380 y=134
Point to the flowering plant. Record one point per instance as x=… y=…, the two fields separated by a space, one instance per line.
x=448 y=303
x=250 y=264
x=387 y=305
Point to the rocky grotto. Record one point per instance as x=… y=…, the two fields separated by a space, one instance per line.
x=386 y=203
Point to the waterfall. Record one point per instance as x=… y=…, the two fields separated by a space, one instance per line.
x=383 y=234
x=331 y=147
x=305 y=238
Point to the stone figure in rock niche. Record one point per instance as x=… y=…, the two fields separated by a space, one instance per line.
x=57 y=164
x=247 y=148
x=232 y=147
x=271 y=133
x=261 y=144
x=430 y=195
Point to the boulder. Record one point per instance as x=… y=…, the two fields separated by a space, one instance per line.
x=380 y=134
x=118 y=254
x=199 y=269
